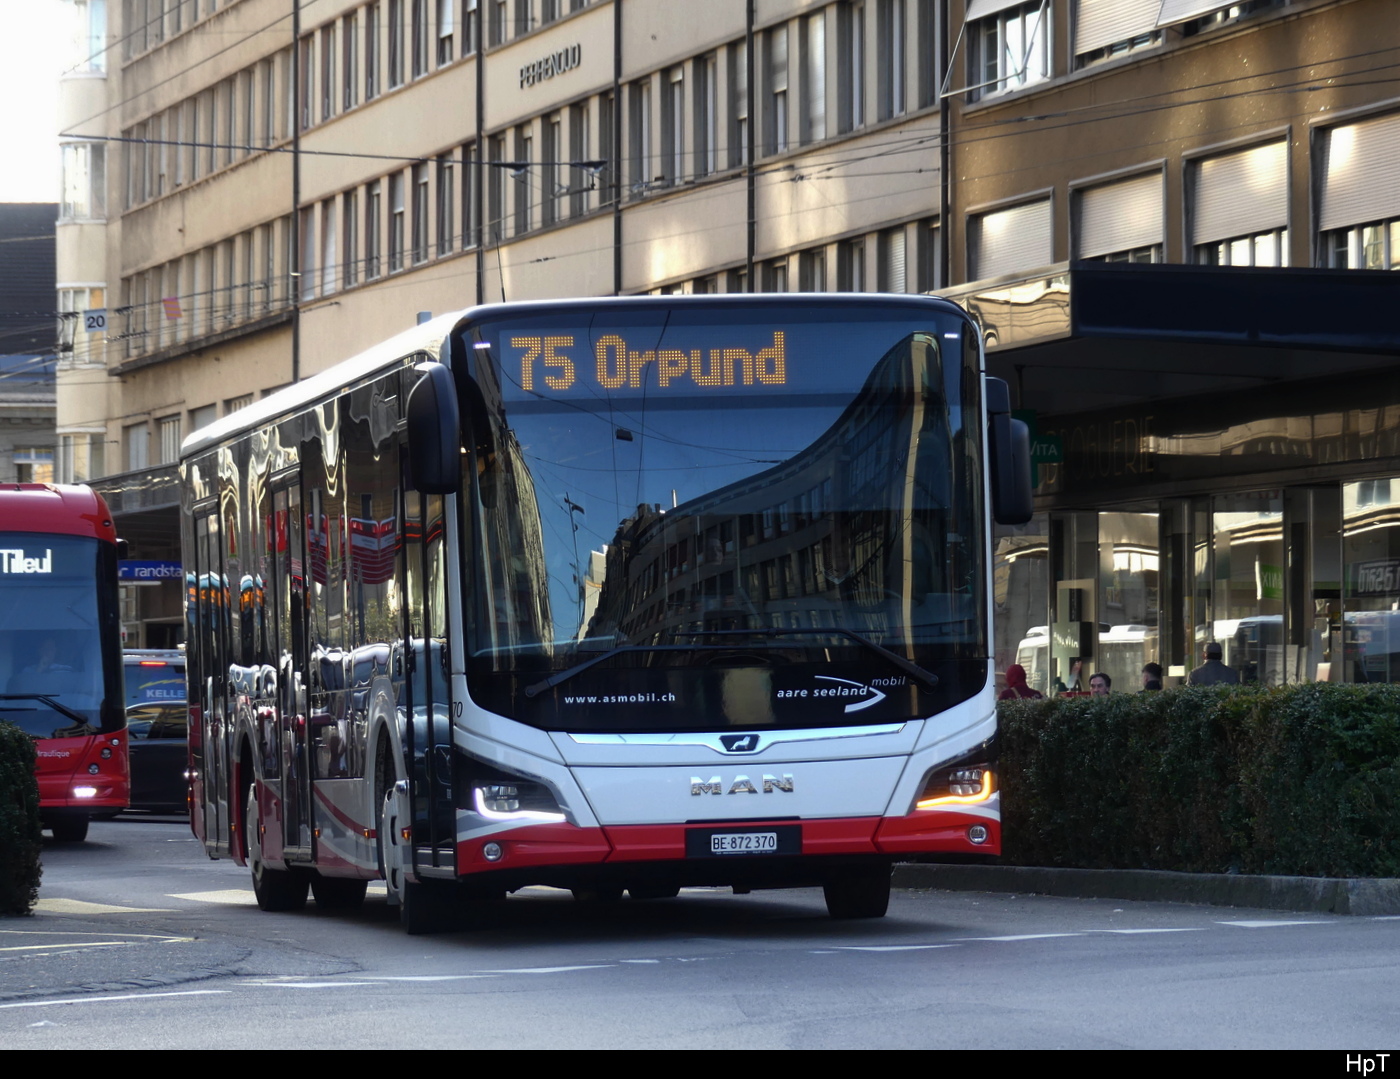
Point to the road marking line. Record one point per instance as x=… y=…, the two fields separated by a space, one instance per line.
x=550 y=970
x=70 y=944
x=104 y=1000
x=1024 y=936
x=79 y=906
x=242 y=897
x=1270 y=924
x=1185 y=929
x=889 y=947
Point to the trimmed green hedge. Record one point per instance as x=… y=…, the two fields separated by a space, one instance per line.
x=1300 y=780
x=20 y=841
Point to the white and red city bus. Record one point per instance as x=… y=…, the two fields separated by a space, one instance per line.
x=60 y=649
x=629 y=594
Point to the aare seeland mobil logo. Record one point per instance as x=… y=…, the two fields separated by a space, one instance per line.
x=14 y=560
x=855 y=696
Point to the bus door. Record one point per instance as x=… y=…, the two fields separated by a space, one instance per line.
x=428 y=707
x=292 y=667
x=210 y=692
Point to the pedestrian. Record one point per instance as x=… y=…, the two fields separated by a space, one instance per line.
x=1016 y=688
x=1100 y=684
x=1151 y=677
x=1213 y=672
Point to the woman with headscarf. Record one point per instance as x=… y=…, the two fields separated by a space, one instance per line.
x=1016 y=688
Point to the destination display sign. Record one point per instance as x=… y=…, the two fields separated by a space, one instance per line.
x=561 y=363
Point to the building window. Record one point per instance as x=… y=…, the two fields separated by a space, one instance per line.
x=33 y=464
x=777 y=117
x=523 y=175
x=549 y=11
x=395 y=39
x=419 y=29
x=495 y=189
x=349 y=239
x=890 y=26
x=446 y=203
x=84 y=182
x=579 y=180
x=307 y=268
x=306 y=49
x=1121 y=221
x=329 y=260
x=775 y=276
x=77 y=341
x=420 y=213
x=1224 y=15
x=349 y=61
x=522 y=18
x=850 y=72
x=471 y=180
x=445 y=29
x=1010 y=241
x=470 y=27
x=81 y=457
x=851 y=266
x=168 y=430
x=328 y=83
x=673 y=133
x=496 y=22
x=373 y=226
x=739 y=133
x=1108 y=29
x=136 y=442
x=372 y=36
x=397 y=210
x=87 y=36
x=1010 y=49
x=706 y=116
x=203 y=416
x=640 y=125
x=1239 y=207
x=811 y=270
x=893 y=263
x=550 y=187
x=814 y=77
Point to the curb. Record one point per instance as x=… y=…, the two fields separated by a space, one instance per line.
x=1318 y=895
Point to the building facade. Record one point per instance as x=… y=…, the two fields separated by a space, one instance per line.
x=27 y=341
x=256 y=189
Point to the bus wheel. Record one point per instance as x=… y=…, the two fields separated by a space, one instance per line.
x=70 y=829
x=338 y=893
x=859 y=893
x=424 y=906
x=275 y=889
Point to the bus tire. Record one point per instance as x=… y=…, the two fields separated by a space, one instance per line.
x=69 y=829
x=859 y=893
x=338 y=893
x=274 y=889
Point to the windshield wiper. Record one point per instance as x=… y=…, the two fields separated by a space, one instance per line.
x=908 y=666
x=46 y=699
x=553 y=680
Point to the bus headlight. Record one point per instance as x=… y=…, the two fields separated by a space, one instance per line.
x=964 y=784
x=84 y=792
x=500 y=795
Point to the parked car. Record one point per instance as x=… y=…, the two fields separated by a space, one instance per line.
x=157 y=724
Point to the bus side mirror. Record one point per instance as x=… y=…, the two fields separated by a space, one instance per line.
x=434 y=432
x=1009 y=441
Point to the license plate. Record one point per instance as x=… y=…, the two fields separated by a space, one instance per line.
x=728 y=842
x=744 y=843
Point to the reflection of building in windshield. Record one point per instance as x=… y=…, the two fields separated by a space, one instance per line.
x=517 y=583
x=860 y=530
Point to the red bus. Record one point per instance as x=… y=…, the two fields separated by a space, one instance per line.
x=60 y=649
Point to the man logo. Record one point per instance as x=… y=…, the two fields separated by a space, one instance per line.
x=741 y=785
x=739 y=743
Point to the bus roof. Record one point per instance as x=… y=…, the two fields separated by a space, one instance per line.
x=56 y=509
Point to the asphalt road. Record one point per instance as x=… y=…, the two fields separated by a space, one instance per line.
x=140 y=942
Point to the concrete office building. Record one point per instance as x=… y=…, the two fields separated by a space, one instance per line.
x=255 y=189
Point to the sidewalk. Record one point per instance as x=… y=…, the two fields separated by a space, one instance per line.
x=1328 y=895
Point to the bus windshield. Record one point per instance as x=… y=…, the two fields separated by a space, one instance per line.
x=731 y=513
x=52 y=663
